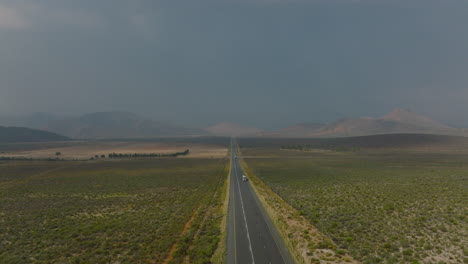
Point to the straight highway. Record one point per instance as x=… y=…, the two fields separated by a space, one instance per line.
x=252 y=237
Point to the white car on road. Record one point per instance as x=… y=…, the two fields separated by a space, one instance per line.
x=244 y=178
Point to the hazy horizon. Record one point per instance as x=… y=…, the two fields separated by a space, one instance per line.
x=38 y=117
x=262 y=63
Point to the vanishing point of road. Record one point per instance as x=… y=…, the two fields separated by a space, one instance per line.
x=252 y=237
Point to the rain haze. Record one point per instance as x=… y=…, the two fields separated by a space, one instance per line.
x=264 y=63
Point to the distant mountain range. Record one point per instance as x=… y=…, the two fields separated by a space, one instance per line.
x=396 y=122
x=129 y=125
x=22 y=134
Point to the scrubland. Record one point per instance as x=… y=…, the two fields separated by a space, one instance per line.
x=381 y=206
x=128 y=211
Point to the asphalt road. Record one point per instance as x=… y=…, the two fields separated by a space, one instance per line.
x=252 y=237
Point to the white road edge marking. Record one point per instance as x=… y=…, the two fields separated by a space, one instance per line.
x=243 y=212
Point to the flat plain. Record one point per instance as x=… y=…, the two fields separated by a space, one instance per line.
x=402 y=204
x=163 y=210
x=82 y=150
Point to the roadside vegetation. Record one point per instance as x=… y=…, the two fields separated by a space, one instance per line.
x=128 y=211
x=380 y=206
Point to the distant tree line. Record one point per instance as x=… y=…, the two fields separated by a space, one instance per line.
x=147 y=155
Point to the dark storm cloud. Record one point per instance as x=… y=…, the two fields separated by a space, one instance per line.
x=262 y=62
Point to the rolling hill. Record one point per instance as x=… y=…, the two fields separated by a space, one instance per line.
x=22 y=134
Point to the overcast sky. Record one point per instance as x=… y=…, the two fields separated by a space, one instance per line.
x=266 y=63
